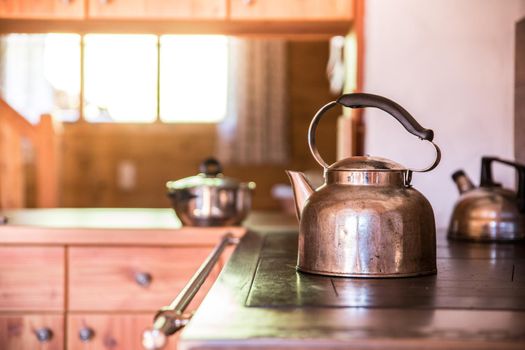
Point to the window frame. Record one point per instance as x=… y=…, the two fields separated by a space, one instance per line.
x=82 y=73
x=157 y=119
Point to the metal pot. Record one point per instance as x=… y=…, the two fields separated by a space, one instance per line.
x=488 y=212
x=209 y=198
x=366 y=220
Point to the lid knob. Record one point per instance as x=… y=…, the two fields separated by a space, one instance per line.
x=210 y=167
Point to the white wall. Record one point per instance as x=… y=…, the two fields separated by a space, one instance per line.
x=450 y=63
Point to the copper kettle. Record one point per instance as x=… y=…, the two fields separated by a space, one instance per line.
x=366 y=220
x=489 y=212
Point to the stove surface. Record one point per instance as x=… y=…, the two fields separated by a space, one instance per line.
x=481 y=283
x=259 y=301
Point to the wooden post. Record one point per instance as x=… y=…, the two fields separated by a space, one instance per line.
x=12 y=185
x=13 y=129
x=47 y=163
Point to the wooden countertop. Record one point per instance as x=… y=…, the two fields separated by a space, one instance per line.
x=476 y=301
x=120 y=226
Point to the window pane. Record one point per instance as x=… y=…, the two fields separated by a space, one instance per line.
x=194 y=78
x=120 y=78
x=40 y=73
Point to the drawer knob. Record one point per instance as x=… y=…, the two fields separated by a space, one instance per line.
x=86 y=334
x=143 y=279
x=43 y=334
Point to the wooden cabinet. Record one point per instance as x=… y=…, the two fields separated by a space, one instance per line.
x=42 y=9
x=155 y=9
x=323 y=18
x=115 y=332
x=291 y=10
x=107 y=284
x=129 y=278
x=32 y=278
x=32 y=332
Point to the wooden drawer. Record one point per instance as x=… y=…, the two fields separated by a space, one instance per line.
x=19 y=332
x=42 y=9
x=31 y=278
x=104 y=278
x=292 y=10
x=115 y=332
x=158 y=9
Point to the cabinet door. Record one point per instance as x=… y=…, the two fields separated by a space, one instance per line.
x=42 y=9
x=131 y=278
x=31 y=332
x=32 y=278
x=152 y=9
x=115 y=332
x=321 y=10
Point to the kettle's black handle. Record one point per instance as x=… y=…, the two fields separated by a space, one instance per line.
x=210 y=167
x=487 y=180
x=360 y=100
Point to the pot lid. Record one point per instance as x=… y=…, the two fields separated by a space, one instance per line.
x=366 y=163
x=210 y=176
x=203 y=180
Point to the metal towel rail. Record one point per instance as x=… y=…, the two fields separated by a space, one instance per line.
x=169 y=319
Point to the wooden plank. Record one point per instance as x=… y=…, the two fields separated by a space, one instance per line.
x=9 y=116
x=298 y=10
x=17 y=331
x=47 y=163
x=187 y=236
x=42 y=9
x=112 y=273
x=281 y=29
x=12 y=194
x=32 y=278
x=158 y=9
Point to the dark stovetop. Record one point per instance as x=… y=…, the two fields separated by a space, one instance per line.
x=477 y=300
x=481 y=283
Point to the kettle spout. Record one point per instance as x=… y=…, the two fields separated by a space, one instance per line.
x=302 y=189
x=462 y=181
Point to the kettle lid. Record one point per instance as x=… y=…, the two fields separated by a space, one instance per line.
x=366 y=163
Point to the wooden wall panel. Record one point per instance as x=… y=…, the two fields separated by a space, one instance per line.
x=163 y=152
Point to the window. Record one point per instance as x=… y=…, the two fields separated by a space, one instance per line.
x=40 y=73
x=194 y=78
x=122 y=79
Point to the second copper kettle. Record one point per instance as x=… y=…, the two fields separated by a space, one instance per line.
x=489 y=212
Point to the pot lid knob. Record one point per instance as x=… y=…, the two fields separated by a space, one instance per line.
x=210 y=167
